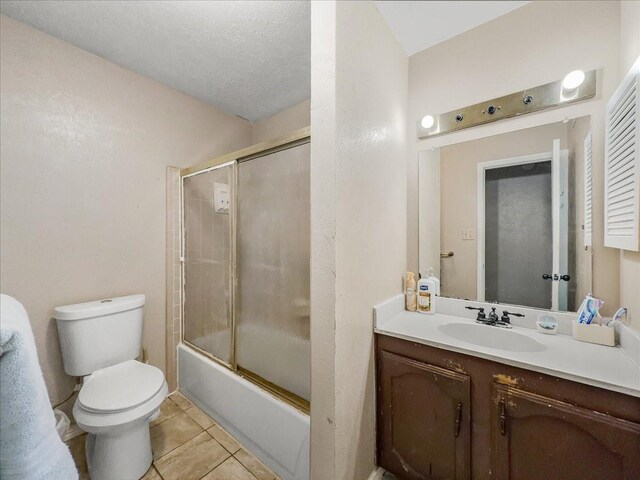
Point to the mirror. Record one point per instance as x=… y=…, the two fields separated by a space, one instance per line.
x=507 y=218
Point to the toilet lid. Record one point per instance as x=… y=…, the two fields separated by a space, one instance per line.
x=120 y=387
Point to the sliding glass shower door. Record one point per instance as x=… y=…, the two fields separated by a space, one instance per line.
x=246 y=247
x=273 y=244
x=208 y=255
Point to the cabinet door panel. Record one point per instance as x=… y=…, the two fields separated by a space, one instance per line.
x=538 y=437
x=425 y=412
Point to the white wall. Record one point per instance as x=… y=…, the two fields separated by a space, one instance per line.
x=358 y=223
x=535 y=44
x=85 y=145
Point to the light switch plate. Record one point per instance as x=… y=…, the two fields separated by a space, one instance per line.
x=221 y=200
x=468 y=234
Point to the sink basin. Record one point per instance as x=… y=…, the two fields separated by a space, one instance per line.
x=491 y=337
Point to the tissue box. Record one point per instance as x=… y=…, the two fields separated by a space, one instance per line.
x=594 y=333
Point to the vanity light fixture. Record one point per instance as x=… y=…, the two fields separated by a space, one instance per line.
x=573 y=80
x=427 y=121
x=574 y=87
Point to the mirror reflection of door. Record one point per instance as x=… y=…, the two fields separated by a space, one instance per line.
x=525 y=230
x=518 y=236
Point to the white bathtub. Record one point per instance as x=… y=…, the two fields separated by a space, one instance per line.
x=273 y=431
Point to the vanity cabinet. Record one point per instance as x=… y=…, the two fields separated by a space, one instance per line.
x=447 y=415
x=425 y=419
x=540 y=437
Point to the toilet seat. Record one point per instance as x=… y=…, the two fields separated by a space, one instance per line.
x=120 y=387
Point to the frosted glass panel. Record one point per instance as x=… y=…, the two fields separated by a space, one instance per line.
x=273 y=239
x=207 y=302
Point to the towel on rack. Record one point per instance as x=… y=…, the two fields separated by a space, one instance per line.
x=30 y=448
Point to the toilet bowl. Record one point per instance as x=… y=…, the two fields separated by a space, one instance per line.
x=120 y=395
x=114 y=407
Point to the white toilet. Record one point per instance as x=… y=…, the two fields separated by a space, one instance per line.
x=120 y=395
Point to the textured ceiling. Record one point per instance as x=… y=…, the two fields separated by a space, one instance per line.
x=420 y=25
x=248 y=58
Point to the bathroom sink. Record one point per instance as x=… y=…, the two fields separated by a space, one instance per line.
x=491 y=337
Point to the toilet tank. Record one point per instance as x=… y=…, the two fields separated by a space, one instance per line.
x=95 y=335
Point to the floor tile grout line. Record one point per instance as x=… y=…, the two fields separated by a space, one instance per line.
x=226 y=459
x=157 y=471
x=216 y=466
x=250 y=472
x=167 y=453
x=240 y=462
x=230 y=452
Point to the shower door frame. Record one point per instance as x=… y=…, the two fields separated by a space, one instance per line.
x=233 y=159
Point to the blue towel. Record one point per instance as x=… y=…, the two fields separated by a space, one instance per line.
x=30 y=448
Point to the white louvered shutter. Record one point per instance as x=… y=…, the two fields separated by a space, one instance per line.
x=588 y=225
x=622 y=165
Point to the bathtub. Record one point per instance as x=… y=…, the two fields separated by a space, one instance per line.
x=272 y=430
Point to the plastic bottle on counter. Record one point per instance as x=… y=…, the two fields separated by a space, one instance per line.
x=410 y=292
x=428 y=287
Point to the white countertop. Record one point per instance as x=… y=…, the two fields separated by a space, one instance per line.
x=610 y=368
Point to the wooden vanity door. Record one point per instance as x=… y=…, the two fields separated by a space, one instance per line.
x=423 y=417
x=536 y=437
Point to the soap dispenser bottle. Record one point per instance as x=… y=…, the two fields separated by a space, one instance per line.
x=435 y=279
x=427 y=288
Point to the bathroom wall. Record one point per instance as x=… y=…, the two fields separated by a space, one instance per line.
x=281 y=123
x=495 y=59
x=85 y=146
x=630 y=261
x=358 y=223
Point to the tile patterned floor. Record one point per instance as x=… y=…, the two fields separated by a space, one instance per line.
x=189 y=445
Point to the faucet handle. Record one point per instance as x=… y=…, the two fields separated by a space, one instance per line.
x=505 y=316
x=481 y=315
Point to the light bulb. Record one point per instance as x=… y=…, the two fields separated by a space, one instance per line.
x=573 y=80
x=427 y=121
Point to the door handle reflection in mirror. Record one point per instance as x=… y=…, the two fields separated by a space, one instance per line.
x=556 y=277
